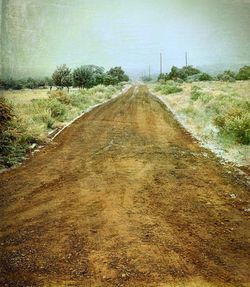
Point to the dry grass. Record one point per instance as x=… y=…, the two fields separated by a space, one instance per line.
x=25 y=96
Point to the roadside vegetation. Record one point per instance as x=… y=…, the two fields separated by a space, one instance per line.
x=190 y=74
x=216 y=112
x=169 y=87
x=29 y=116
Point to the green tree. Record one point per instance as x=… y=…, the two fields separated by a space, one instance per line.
x=118 y=75
x=82 y=77
x=244 y=73
x=61 y=76
x=182 y=73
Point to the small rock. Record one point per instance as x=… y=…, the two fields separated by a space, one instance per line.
x=232 y=195
x=123 y=275
x=247 y=209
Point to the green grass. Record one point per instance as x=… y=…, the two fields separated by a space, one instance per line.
x=33 y=116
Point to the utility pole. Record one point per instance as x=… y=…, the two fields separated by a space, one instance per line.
x=186 y=58
x=160 y=63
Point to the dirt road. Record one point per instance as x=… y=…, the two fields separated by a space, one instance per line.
x=124 y=197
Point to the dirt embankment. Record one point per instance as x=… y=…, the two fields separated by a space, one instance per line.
x=124 y=197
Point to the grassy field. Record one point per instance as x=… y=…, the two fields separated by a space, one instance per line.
x=35 y=114
x=25 y=96
x=217 y=113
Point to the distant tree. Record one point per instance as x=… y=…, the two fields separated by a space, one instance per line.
x=13 y=84
x=244 y=73
x=97 y=75
x=182 y=73
x=67 y=81
x=118 y=75
x=88 y=76
x=205 y=77
x=41 y=83
x=83 y=77
x=30 y=83
x=2 y=84
x=61 y=76
x=163 y=77
x=227 y=76
x=49 y=82
x=109 y=80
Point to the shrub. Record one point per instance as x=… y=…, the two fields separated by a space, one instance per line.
x=169 y=88
x=235 y=122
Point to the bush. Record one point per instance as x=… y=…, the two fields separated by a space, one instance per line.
x=169 y=88
x=235 y=122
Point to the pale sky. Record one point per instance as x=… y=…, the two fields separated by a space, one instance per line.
x=37 y=35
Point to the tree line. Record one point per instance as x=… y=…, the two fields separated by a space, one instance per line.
x=85 y=76
x=191 y=74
